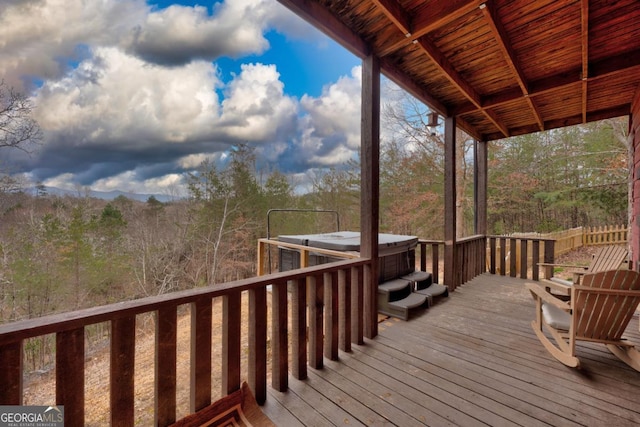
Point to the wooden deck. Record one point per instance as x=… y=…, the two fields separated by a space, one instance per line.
x=472 y=359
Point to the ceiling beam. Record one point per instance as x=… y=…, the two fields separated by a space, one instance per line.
x=328 y=23
x=604 y=68
x=457 y=80
x=488 y=10
x=401 y=79
x=428 y=19
x=396 y=14
x=616 y=111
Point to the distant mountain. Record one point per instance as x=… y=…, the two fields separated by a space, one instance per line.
x=105 y=195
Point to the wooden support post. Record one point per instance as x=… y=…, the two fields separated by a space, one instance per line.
x=370 y=188
x=480 y=187
x=450 y=267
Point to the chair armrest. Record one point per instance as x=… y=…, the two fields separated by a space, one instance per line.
x=557 y=287
x=544 y=264
x=539 y=292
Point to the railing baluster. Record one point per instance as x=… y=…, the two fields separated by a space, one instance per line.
x=231 y=332
x=535 y=257
x=331 y=316
x=299 y=328
x=357 y=306
x=11 y=373
x=503 y=256
x=123 y=350
x=70 y=375
x=279 y=337
x=549 y=255
x=316 y=321
x=165 y=378
x=523 y=258
x=344 y=297
x=435 y=262
x=513 y=268
x=258 y=343
x=200 y=366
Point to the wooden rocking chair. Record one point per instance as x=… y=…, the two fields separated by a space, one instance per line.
x=599 y=311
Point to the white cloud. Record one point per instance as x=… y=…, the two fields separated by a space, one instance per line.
x=329 y=134
x=255 y=106
x=116 y=97
x=140 y=101
x=36 y=35
x=178 y=34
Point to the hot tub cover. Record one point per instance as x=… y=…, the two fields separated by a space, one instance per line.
x=350 y=241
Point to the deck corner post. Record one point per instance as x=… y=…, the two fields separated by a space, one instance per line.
x=450 y=203
x=11 y=373
x=370 y=188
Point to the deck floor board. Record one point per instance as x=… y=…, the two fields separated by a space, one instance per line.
x=471 y=359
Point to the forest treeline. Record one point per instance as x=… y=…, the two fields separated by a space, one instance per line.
x=64 y=253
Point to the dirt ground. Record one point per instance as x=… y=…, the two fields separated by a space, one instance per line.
x=579 y=257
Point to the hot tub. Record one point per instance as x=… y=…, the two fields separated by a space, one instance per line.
x=396 y=252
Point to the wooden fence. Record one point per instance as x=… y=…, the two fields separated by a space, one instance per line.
x=606 y=235
x=575 y=238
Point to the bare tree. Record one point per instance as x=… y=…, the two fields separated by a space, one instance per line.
x=17 y=128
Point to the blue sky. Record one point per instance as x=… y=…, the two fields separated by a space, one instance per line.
x=131 y=95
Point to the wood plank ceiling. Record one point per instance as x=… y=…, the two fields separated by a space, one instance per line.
x=502 y=67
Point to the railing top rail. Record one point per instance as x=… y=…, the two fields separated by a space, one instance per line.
x=542 y=239
x=431 y=242
x=470 y=238
x=23 y=329
x=337 y=254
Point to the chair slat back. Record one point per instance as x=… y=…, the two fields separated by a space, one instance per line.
x=604 y=304
x=607 y=258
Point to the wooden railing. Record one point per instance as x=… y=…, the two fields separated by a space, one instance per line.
x=519 y=256
x=470 y=258
x=431 y=252
x=327 y=313
x=335 y=320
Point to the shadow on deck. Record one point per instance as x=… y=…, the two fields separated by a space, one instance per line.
x=471 y=359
